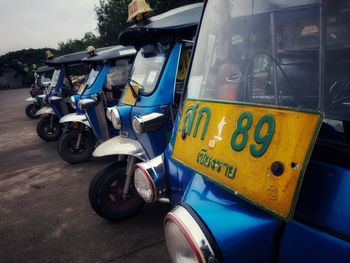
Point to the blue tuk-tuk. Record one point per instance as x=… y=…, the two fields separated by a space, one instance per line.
x=257 y=168
x=145 y=114
x=40 y=85
x=59 y=91
x=103 y=88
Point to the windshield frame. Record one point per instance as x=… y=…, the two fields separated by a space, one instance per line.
x=161 y=69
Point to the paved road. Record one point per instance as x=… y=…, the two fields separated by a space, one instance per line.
x=45 y=215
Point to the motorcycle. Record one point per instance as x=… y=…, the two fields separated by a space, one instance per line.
x=145 y=114
x=61 y=87
x=103 y=88
x=39 y=86
x=257 y=167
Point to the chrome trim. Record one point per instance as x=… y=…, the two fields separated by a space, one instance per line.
x=75 y=117
x=41 y=96
x=45 y=110
x=30 y=99
x=121 y=146
x=156 y=170
x=55 y=98
x=184 y=220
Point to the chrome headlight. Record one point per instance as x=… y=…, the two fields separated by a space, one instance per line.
x=72 y=99
x=87 y=104
x=185 y=239
x=149 y=179
x=112 y=114
x=149 y=122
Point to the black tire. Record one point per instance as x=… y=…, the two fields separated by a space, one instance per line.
x=107 y=185
x=30 y=110
x=66 y=147
x=43 y=129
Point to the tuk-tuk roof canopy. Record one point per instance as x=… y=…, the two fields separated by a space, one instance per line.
x=177 y=19
x=112 y=52
x=72 y=58
x=44 y=69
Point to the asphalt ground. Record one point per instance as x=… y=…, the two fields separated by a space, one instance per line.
x=45 y=215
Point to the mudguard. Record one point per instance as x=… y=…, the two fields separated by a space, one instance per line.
x=121 y=146
x=45 y=110
x=75 y=117
x=30 y=99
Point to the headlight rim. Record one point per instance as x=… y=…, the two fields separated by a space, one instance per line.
x=209 y=238
x=150 y=180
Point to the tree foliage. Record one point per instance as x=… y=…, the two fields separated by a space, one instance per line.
x=22 y=61
x=112 y=16
x=75 y=45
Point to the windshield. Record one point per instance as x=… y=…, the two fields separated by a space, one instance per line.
x=147 y=67
x=118 y=74
x=54 y=79
x=268 y=52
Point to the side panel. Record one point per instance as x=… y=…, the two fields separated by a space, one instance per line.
x=301 y=243
x=242 y=232
x=154 y=142
x=97 y=118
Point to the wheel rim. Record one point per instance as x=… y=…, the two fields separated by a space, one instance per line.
x=72 y=143
x=53 y=132
x=114 y=195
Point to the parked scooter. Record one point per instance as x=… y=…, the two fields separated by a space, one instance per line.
x=89 y=125
x=40 y=85
x=61 y=88
x=145 y=115
x=262 y=77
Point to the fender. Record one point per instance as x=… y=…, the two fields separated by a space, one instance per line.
x=121 y=146
x=30 y=99
x=75 y=117
x=45 y=110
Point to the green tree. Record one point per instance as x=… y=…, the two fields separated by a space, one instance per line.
x=112 y=16
x=22 y=60
x=75 y=45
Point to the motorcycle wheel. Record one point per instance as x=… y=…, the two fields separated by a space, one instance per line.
x=44 y=132
x=66 y=147
x=106 y=193
x=30 y=110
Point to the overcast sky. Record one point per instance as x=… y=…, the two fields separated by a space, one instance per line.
x=44 y=23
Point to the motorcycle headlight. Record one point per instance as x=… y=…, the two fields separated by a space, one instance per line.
x=144 y=185
x=149 y=179
x=185 y=239
x=112 y=114
x=73 y=102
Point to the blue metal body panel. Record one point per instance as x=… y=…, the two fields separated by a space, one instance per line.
x=56 y=91
x=97 y=86
x=243 y=233
x=88 y=93
x=164 y=92
x=325 y=198
x=301 y=243
x=125 y=113
x=154 y=142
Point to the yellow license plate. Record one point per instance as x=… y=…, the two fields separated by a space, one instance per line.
x=258 y=152
x=128 y=96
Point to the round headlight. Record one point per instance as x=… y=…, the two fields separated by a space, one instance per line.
x=115 y=118
x=144 y=185
x=185 y=239
x=137 y=125
x=72 y=99
x=108 y=114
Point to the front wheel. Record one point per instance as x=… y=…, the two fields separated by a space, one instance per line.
x=106 y=193
x=31 y=110
x=49 y=129
x=73 y=149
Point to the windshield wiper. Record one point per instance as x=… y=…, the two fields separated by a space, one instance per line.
x=132 y=87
